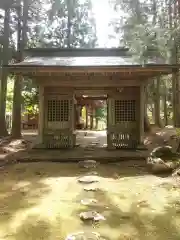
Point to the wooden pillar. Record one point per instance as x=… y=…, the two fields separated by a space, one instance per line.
x=91 y=117
x=41 y=114
x=141 y=113
x=110 y=121
x=78 y=115
x=86 y=117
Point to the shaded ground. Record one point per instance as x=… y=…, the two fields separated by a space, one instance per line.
x=42 y=201
x=91 y=145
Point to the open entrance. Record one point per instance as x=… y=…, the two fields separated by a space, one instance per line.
x=91 y=120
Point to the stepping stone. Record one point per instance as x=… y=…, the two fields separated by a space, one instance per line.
x=88 y=202
x=89 y=149
x=88 y=164
x=90 y=189
x=91 y=216
x=94 y=173
x=88 y=179
x=93 y=144
x=84 y=236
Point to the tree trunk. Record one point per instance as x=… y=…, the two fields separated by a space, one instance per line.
x=165 y=111
x=16 y=116
x=176 y=100
x=69 y=23
x=91 y=117
x=87 y=111
x=3 y=81
x=97 y=122
x=147 y=125
x=21 y=42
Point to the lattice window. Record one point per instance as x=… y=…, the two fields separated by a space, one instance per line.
x=58 y=110
x=125 y=111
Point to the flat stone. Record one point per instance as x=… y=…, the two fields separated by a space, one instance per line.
x=84 y=236
x=88 y=202
x=157 y=165
x=88 y=179
x=90 y=189
x=94 y=173
x=91 y=216
x=88 y=164
x=90 y=149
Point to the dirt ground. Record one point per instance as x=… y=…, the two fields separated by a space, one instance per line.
x=43 y=201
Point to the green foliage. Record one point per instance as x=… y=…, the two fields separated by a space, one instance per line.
x=9 y=98
x=29 y=97
x=65 y=23
x=30 y=100
x=48 y=27
x=101 y=113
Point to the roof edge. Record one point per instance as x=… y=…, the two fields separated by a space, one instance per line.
x=76 y=52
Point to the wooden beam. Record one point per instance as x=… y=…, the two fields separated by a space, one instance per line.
x=86 y=70
x=84 y=83
x=91 y=98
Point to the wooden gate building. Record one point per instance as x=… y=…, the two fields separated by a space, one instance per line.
x=63 y=74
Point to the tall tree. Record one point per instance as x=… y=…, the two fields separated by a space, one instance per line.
x=21 y=42
x=70 y=24
x=153 y=24
x=4 y=73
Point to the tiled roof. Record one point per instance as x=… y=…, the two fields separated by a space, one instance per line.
x=82 y=61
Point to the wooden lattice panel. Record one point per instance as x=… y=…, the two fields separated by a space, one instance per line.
x=58 y=110
x=58 y=132
x=125 y=111
x=122 y=125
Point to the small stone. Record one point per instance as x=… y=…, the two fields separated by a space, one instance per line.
x=90 y=189
x=91 y=216
x=92 y=173
x=88 y=179
x=84 y=236
x=88 y=164
x=88 y=202
x=38 y=173
x=176 y=173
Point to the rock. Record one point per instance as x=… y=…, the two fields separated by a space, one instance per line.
x=88 y=164
x=94 y=173
x=90 y=189
x=157 y=165
x=160 y=152
x=91 y=216
x=18 y=144
x=169 y=127
x=176 y=173
x=84 y=236
x=88 y=179
x=88 y=202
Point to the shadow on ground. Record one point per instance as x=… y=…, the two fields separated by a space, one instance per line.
x=42 y=201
